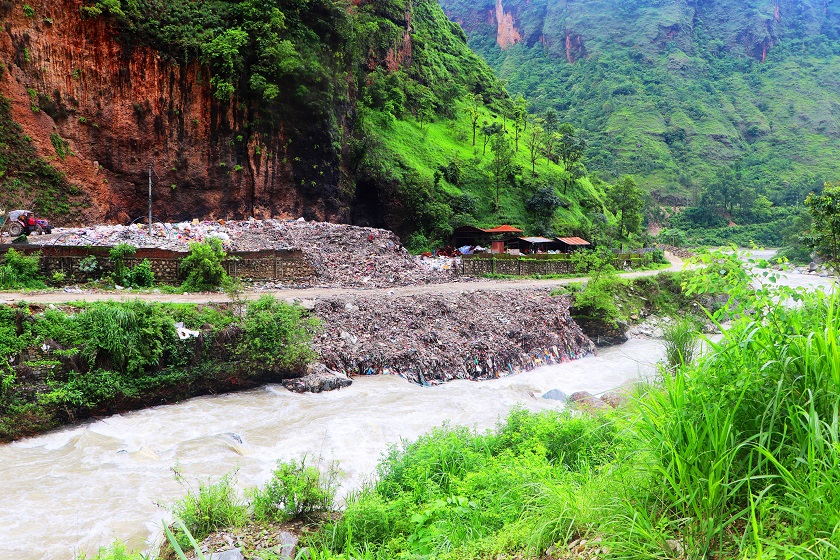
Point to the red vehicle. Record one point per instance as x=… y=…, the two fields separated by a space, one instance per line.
x=23 y=222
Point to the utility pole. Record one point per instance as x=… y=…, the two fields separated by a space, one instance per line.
x=150 y=199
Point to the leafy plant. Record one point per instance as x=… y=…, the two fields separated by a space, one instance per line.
x=276 y=336
x=89 y=264
x=296 y=490
x=202 y=267
x=20 y=271
x=117 y=256
x=142 y=275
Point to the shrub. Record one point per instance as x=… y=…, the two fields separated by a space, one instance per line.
x=295 y=490
x=276 y=336
x=203 y=268
x=681 y=342
x=117 y=256
x=20 y=271
x=129 y=337
x=89 y=264
x=142 y=275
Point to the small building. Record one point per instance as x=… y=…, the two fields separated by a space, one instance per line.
x=570 y=244
x=537 y=244
x=498 y=236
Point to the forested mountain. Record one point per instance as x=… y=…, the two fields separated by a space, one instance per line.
x=674 y=91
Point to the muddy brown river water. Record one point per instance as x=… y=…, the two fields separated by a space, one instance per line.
x=79 y=488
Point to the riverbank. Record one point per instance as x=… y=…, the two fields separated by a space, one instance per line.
x=83 y=486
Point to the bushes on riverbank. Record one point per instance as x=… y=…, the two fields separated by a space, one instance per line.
x=61 y=365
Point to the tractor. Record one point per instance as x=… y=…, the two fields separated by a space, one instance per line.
x=22 y=222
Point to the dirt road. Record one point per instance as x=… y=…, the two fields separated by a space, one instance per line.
x=314 y=293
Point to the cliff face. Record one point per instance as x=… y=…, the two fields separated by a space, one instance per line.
x=121 y=109
x=572 y=28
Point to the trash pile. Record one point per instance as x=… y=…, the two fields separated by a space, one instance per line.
x=431 y=338
x=346 y=256
x=343 y=255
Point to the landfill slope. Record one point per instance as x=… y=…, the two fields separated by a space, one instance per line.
x=344 y=256
x=433 y=338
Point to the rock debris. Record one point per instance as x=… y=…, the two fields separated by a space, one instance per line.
x=431 y=338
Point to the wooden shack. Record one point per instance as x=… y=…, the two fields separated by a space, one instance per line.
x=571 y=244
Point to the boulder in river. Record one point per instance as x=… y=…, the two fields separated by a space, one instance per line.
x=556 y=395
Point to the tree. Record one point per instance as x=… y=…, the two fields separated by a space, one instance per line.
x=543 y=205
x=724 y=192
x=824 y=235
x=625 y=199
x=474 y=105
x=533 y=140
x=573 y=173
x=550 y=121
x=502 y=162
x=520 y=117
x=570 y=146
x=488 y=131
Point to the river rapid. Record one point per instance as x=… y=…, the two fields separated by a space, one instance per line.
x=80 y=488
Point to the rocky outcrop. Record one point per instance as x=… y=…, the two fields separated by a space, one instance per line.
x=121 y=108
x=507 y=34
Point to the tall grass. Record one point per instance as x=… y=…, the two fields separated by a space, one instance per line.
x=682 y=340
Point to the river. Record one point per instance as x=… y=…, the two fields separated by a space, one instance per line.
x=82 y=487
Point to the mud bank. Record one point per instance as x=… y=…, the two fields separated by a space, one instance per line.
x=432 y=338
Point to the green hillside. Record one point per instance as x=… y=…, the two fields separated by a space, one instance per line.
x=673 y=91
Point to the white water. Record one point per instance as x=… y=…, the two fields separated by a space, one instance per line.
x=80 y=488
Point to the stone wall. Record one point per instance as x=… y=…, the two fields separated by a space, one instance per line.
x=285 y=265
x=509 y=265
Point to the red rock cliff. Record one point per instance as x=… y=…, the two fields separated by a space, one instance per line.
x=122 y=108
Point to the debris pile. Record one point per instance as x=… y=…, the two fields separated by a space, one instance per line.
x=343 y=255
x=432 y=338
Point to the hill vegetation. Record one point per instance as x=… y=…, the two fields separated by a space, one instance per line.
x=686 y=97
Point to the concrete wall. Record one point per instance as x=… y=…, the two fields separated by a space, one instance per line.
x=286 y=265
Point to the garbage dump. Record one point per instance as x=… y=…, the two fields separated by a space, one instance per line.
x=343 y=255
x=432 y=338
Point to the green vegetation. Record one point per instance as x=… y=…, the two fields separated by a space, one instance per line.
x=98 y=358
x=824 y=234
x=295 y=490
x=212 y=507
x=139 y=276
x=18 y=271
x=202 y=267
x=266 y=321
x=26 y=180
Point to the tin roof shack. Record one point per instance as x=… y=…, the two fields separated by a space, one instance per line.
x=571 y=244
x=471 y=235
x=537 y=244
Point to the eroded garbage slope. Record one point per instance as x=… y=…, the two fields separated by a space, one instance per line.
x=342 y=255
x=432 y=338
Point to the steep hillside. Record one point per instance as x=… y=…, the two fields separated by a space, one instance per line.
x=673 y=90
x=241 y=107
